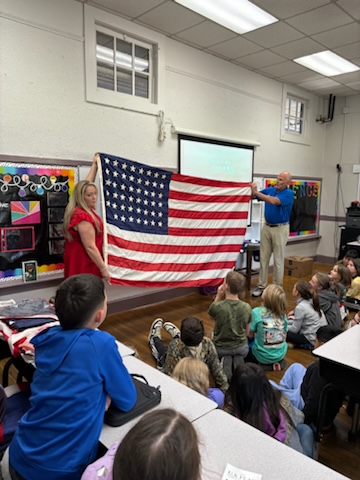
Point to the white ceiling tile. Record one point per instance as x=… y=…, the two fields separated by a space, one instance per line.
x=299 y=48
x=348 y=78
x=170 y=18
x=339 y=36
x=288 y=8
x=340 y=90
x=319 y=83
x=281 y=69
x=206 y=34
x=351 y=6
x=349 y=51
x=130 y=9
x=302 y=77
x=237 y=47
x=320 y=19
x=274 y=34
x=260 y=59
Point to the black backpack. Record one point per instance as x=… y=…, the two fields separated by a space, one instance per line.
x=147 y=398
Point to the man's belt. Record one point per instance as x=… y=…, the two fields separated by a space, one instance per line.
x=276 y=224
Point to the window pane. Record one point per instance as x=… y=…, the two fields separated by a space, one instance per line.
x=287 y=106
x=104 y=47
x=141 y=86
x=124 y=53
x=123 y=81
x=105 y=76
x=293 y=104
x=286 y=123
x=141 y=59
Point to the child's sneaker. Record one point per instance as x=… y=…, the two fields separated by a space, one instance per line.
x=172 y=329
x=276 y=366
x=156 y=327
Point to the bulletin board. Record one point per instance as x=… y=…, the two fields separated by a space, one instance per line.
x=304 y=218
x=32 y=205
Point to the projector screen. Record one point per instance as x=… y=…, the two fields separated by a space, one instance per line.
x=215 y=159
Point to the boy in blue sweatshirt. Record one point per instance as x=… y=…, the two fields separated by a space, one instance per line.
x=77 y=368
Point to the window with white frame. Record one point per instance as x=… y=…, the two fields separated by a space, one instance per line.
x=295 y=118
x=294 y=115
x=123 y=65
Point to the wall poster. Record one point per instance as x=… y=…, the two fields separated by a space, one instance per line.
x=32 y=205
x=304 y=218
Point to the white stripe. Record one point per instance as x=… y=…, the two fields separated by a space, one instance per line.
x=208 y=207
x=208 y=190
x=169 y=240
x=170 y=277
x=205 y=224
x=150 y=257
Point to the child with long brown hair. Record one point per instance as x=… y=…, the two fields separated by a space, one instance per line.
x=328 y=300
x=306 y=318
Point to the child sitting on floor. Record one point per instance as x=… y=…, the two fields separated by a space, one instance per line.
x=78 y=369
x=328 y=300
x=232 y=320
x=269 y=324
x=306 y=318
x=342 y=278
x=353 y=293
x=195 y=374
x=303 y=386
x=189 y=341
x=252 y=399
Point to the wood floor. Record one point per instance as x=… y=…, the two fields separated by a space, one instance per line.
x=132 y=328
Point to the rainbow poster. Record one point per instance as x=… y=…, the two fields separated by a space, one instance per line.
x=33 y=199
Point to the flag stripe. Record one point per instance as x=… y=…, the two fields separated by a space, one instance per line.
x=211 y=215
x=206 y=232
x=197 y=181
x=166 y=267
x=192 y=197
x=161 y=257
x=115 y=241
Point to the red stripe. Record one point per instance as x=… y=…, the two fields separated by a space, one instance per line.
x=176 y=177
x=177 y=213
x=192 y=197
x=209 y=282
x=205 y=232
x=166 y=267
x=178 y=249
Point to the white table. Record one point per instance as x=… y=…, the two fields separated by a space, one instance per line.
x=340 y=365
x=226 y=439
x=124 y=350
x=173 y=395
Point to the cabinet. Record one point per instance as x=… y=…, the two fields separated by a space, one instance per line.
x=348 y=234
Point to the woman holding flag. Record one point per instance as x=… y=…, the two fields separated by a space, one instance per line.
x=83 y=230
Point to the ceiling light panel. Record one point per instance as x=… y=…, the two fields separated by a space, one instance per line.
x=327 y=63
x=240 y=16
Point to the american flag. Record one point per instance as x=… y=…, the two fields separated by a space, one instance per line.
x=163 y=229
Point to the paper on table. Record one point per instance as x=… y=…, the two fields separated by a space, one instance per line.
x=233 y=473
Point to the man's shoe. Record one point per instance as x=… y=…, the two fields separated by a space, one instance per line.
x=257 y=292
x=156 y=327
x=172 y=329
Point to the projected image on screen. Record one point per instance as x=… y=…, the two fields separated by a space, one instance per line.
x=215 y=160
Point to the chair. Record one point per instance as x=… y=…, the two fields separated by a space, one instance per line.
x=25 y=370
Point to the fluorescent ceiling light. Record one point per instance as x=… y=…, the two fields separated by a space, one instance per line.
x=240 y=16
x=327 y=63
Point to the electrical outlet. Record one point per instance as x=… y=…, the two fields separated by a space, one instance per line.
x=356 y=168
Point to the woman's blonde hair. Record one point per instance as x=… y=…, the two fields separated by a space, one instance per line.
x=274 y=299
x=193 y=373
x=77 y=200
